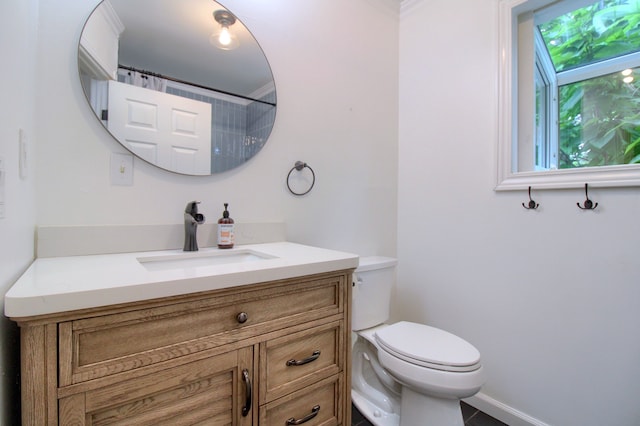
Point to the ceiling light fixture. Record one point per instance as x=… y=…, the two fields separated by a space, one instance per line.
x=627 y=74
x=224 y=39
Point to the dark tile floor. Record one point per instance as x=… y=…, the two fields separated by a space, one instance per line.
x=471 y=416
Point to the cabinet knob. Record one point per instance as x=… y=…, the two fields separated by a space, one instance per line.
x=242 y=317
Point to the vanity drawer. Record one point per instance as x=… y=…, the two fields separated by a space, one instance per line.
x=297 y=360
x=321 y=403
x=105 y=345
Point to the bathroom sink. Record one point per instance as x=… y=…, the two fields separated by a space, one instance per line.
x=201 y=259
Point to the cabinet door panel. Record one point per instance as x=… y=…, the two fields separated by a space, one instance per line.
x=205 y=391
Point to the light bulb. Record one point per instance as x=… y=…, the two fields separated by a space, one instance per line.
x=224 y=38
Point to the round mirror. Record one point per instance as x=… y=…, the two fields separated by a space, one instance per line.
x=182 y=84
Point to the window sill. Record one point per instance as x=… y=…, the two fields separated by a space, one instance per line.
x=607 y=176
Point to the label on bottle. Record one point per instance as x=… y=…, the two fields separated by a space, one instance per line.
x=225 y=234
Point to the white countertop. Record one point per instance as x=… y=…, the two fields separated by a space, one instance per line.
x=61 y=284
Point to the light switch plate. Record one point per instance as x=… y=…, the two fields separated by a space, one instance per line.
x=121 y=169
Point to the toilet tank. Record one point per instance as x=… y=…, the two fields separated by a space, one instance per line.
x=372 y=283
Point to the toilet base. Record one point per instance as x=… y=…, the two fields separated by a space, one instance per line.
x=420 y=409
x=375 y=415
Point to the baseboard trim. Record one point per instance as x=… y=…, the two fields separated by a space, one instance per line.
x=502 y=412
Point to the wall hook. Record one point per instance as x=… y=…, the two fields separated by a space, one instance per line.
x=588 y=204
x=532 y=204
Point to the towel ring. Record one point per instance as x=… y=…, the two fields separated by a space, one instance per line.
x=299 y=166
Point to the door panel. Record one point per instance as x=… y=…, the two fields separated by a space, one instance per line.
x=169 y=131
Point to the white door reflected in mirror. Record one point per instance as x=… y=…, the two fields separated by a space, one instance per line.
x=168 y=131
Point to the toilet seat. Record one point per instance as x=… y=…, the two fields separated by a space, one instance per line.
x=428 y=347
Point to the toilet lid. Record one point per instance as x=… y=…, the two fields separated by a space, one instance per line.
x=428 y=346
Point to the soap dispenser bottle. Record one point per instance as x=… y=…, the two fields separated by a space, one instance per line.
x=225 y=230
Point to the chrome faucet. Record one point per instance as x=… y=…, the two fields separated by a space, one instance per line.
x=191 y=221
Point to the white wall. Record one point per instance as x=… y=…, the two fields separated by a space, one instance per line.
x=17 y=44
x=549 y=297
x=336 y=80
x=336 y=76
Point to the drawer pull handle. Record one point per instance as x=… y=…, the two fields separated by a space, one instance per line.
x=247 y=381
x=314 y=412
x=242 y=317
x=315 y=355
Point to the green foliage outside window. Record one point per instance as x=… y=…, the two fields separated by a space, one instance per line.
x=599 y=118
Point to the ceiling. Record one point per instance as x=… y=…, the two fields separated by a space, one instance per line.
x=171 y=37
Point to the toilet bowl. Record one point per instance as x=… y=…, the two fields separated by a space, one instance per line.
x=405 y=374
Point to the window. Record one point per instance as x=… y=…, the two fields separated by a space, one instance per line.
x=570 y=92
x=597 y=110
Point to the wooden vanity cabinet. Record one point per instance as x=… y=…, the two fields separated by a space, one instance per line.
x=273 y=353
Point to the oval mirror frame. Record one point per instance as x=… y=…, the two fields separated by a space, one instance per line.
x=153 y=76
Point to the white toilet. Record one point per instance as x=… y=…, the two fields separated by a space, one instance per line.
x=405 y=374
